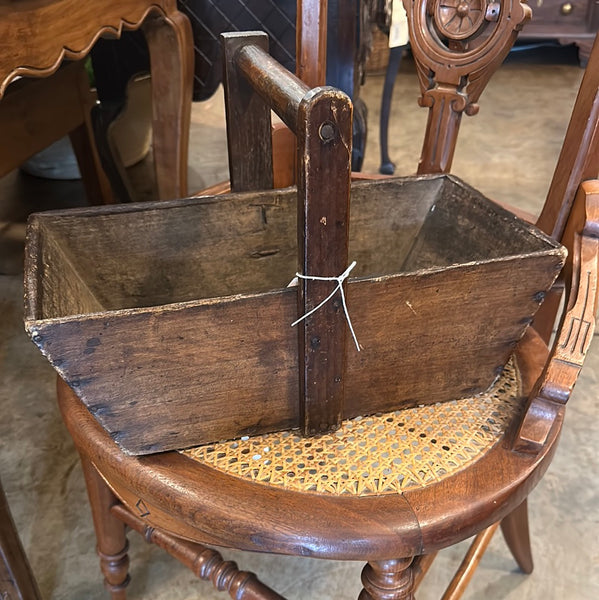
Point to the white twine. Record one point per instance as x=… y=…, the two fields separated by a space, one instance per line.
x=339 y=287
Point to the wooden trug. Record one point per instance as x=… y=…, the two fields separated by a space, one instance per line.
x=171 y=321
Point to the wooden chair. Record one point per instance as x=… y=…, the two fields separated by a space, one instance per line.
x=185 y=501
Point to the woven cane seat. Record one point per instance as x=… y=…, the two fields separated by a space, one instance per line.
x=382 y=454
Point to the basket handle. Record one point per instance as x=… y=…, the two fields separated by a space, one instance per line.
x=321 y=118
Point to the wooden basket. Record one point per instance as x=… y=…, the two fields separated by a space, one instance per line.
x=172 y=321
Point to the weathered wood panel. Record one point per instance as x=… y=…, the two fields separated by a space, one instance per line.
x=168 y=378
x=154 y=254
x=226 y=364
x=249 y=143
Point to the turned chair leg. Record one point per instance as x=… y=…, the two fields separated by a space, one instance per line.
x=515 y=531
x=110 y=533
x=388 y=580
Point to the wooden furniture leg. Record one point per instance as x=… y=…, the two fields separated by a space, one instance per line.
x=110 y=533
x=36 y=113
x=103 y=118
x=388 y=580
x=16 y=579
x=420 y=567
x=95 y=181
x=461 y=579
x=206 y=564
x=311 y=42
x=171 y=61
x=515 y=531
x=387 y=166
x=97 y=187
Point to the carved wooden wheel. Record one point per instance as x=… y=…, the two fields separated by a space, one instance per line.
x=459 y=19
x=464 y=25
x=456 y=38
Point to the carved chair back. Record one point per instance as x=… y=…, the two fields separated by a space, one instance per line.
x=457 y=47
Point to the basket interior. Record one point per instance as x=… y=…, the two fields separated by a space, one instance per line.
x=109 y=259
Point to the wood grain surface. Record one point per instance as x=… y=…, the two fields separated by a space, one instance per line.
x=181 y=333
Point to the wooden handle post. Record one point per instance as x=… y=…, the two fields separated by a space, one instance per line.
x=321 y=118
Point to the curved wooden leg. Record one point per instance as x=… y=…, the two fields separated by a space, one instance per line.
x=171 y=64
x=464 y=574
x=110 y=533
x=387 y=166
x=515 y=531
x=388 y=580
x=103 y=116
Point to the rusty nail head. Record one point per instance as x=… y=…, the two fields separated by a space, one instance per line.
x=327 y=131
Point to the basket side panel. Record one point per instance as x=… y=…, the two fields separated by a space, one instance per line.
x=172 y=378
x=54 y=286
x=166 y=379
x=437 y=336
x=464 y=226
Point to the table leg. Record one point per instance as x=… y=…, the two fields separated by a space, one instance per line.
x=171 y=63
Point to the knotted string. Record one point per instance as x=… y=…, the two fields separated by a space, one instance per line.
x=339 y=287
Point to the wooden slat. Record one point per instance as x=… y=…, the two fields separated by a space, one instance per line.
x=460 y=581
x=421 y=566
x=277 y=86
x=311 y=42
x=176 y=376
x=249 y=139
x=579 y=157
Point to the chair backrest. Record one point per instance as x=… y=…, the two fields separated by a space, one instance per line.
x=579 y=157
x=570 y=214
x=457 y=47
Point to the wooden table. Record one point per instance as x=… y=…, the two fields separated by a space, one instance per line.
x=36 y=35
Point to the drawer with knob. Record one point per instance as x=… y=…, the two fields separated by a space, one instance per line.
x=568 y=21
x=560 y=13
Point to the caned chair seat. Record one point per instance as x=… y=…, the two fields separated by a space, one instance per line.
x=386 y=453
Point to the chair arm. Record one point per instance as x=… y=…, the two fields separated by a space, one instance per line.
x=575 y=332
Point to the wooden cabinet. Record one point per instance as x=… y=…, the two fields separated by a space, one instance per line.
x=568 y=21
